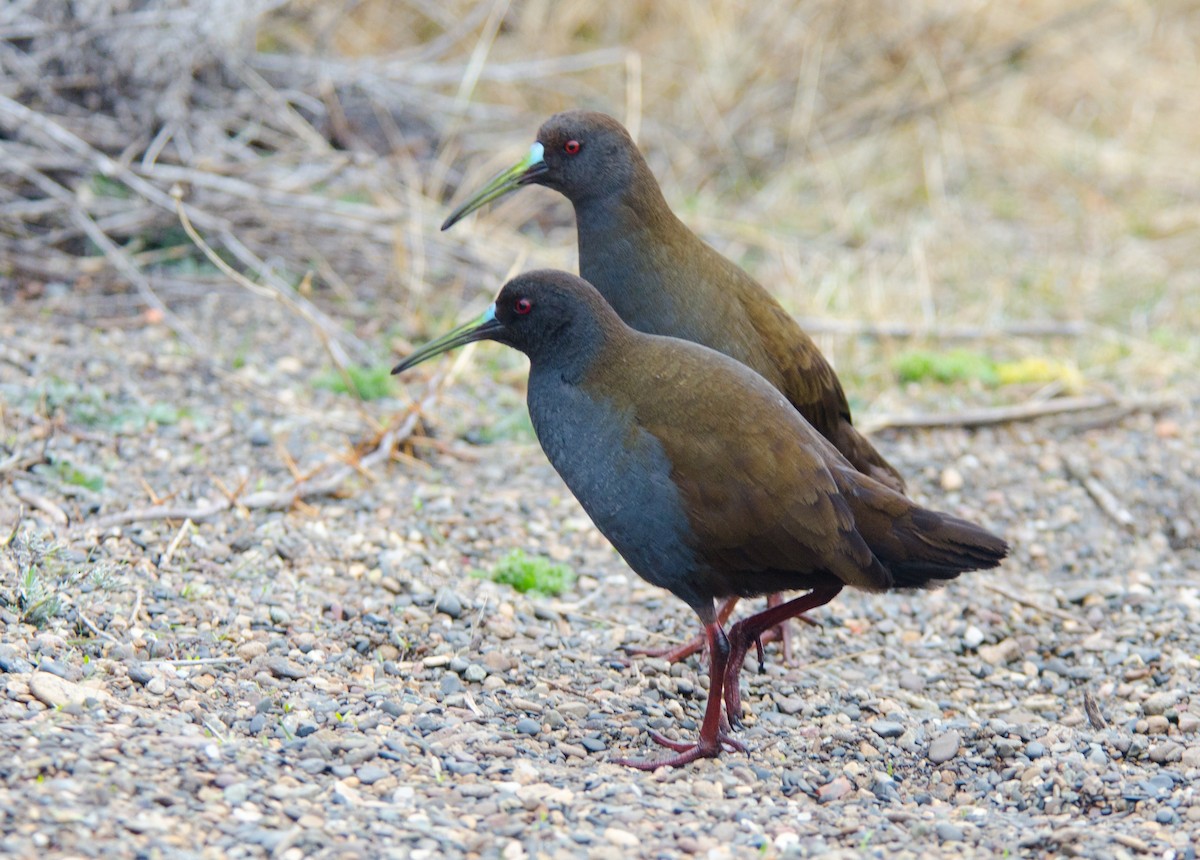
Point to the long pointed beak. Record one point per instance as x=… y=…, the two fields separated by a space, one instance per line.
x=522 y=173
x=483 y=328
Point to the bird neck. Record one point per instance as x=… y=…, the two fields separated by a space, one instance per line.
x=570 y=351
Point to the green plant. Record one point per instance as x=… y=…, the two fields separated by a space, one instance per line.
x=536 y=574
x=957 y=365
x=69 y=473
x=365 y=383
x=36 y=577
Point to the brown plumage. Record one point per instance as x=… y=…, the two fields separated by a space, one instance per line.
x=706 y=480
x=661 y=278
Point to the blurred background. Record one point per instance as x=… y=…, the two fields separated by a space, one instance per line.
x=989 y=201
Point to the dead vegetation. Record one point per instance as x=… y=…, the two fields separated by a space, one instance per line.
x=1025 y=173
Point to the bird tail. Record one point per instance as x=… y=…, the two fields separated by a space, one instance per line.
x=856 y=448
x=921 y=548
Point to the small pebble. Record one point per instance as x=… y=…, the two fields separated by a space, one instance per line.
x=887 y=728
x=527 y=726
x=944 y=747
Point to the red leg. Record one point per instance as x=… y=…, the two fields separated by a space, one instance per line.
x=712 y=736
x=692 y=646
x=747 y=632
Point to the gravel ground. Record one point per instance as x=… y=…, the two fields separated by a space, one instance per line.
x=329 y=680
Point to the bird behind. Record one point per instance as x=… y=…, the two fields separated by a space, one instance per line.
x=705 y=479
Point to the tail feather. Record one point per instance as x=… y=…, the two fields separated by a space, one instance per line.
x=920 y=547
x=858 y=449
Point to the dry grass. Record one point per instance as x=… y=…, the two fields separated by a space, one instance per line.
x=921 y=165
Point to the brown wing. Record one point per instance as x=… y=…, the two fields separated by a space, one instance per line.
x=753 y=475
x=811 y=385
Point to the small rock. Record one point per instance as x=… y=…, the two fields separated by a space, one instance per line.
x=451 y=683
x=527 y=726
x=475 y=673
x=1158 y=703
x=157 y=685
x=1157 y=725
x=497 y=661
x=948 y=832
x=952 y=479
x=252 y=649
x=593 y=744
x=1035 y=749
x=911 y=681
x=140 y=674
x=282 y=667
x=1000 y=653
x=835 y=789
x=1189 y=722
x=789 y=704
x=369 y=774
x=458 y=664
x=54 y=667
x=944 y=747
x=450 y=604
x=1166 y=752
x=280 y=616
x=56 y=692
x=887 y=728
x=621 y=838
x=972 y=637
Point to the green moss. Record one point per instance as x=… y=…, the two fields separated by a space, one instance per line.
x=536 y=574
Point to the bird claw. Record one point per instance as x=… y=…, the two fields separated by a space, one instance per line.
x=687 y=752
x=671 y=655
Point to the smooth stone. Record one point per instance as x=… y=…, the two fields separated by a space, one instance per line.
x=887 y=728
x=948 y=832
x=370 y=774
x=527 y=726
x=944 y=747
x=140 y=674
x=450 y=604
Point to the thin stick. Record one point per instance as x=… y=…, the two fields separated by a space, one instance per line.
x=336 y=355
x=1093 y=711
x=1049 y=610
x=175 y=542
x=881 y=330
x=1101 y=495
x=989 y=415
x=299 y=490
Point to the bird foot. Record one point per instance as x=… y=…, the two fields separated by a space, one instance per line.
x=687 y=752
x=671 y=655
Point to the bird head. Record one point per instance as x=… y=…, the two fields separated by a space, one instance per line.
x=582 y=154
x=550 y=316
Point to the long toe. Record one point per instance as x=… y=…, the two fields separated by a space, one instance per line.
x=687 y=752
x=671 y=655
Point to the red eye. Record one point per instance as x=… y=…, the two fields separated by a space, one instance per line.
x=522 y=306
x=571 y=147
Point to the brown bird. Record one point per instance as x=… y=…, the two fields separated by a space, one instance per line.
x=661 y=278
x=706 y=480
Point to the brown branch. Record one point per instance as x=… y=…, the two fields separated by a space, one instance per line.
x=882 y=330
x=990 y=415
